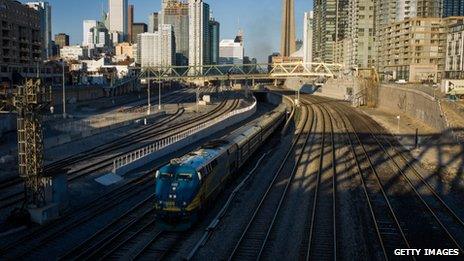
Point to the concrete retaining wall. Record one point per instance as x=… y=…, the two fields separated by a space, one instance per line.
x=415 y=104
x=339 y=88
x=66 y=138
x=78 y=94
x=185 y=142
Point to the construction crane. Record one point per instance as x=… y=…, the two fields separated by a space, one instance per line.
x=30 y=101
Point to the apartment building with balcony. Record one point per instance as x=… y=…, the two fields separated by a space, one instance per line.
x=454 y=65
x=415 y=49
x=20 y=39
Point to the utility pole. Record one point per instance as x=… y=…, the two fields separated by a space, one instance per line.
x=64 y=91
x=198 y=97
x=159 y=94
x=149 y=94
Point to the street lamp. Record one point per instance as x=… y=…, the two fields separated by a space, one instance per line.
x=64 y=91
x=398 y=118
x=149 y=94
x=159 y=95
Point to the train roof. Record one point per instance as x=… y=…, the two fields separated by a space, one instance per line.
x=202 y=156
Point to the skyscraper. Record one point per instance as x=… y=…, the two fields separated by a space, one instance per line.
x=308 y=37
x=199 y=53
x=359 y=41
x=287 y=40
x=231 y=51
x=428 y=8
x=153 y=22
x=214 y=32
x=130 y=22
x=330 y=28
x=118 y=18
x=86 y=34
x=176 y=13
x=156 y=49
x=45 y=13
x=453 y=8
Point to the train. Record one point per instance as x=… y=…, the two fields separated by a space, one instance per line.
x=186 y=187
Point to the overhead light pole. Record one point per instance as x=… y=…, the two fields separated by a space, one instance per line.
x=159 y=94
x=149 y=94
x=64 y=91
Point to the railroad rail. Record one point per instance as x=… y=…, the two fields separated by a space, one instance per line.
x=157 y=131
x=394 y=230
x=255 y=235
x=49 y=233
x=322 y=242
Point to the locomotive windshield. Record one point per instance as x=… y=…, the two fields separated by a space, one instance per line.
x=164 y=175
x=185 y=176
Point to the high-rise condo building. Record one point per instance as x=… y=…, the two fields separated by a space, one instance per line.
x=359 y=43
x=308 y=37
x=156 y=49
x=130 y=22
x=118 y=19
x=20 y=40
x=391 y=11
x=199 y=16
x=288 y=38
x=176 y=13
x=214 y=32
x=428 y=8
x=45 y=13
x=415 y=49
x=453 y=8
x=330 y=28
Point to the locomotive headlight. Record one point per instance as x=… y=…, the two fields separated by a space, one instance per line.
x=184 y=203
x=175 y=196
x=170 y=196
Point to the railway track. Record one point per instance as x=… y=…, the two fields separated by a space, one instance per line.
x=104 y=234
x=158 y=248
x=387 y=228
x=123 y=143
x=444 y=224
x=256 y=233
x=322 y=236
x=50 y=233
x=395 y=227
x=98 y=150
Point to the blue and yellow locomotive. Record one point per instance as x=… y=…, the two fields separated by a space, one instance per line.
x=186 y=185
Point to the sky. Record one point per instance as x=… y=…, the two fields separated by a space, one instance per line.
x=259 y=19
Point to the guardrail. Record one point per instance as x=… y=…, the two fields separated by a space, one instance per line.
x=161 y=144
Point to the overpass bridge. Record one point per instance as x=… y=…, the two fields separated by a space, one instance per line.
x=273 y=71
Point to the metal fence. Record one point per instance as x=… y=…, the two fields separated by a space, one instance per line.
x=161 y=144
